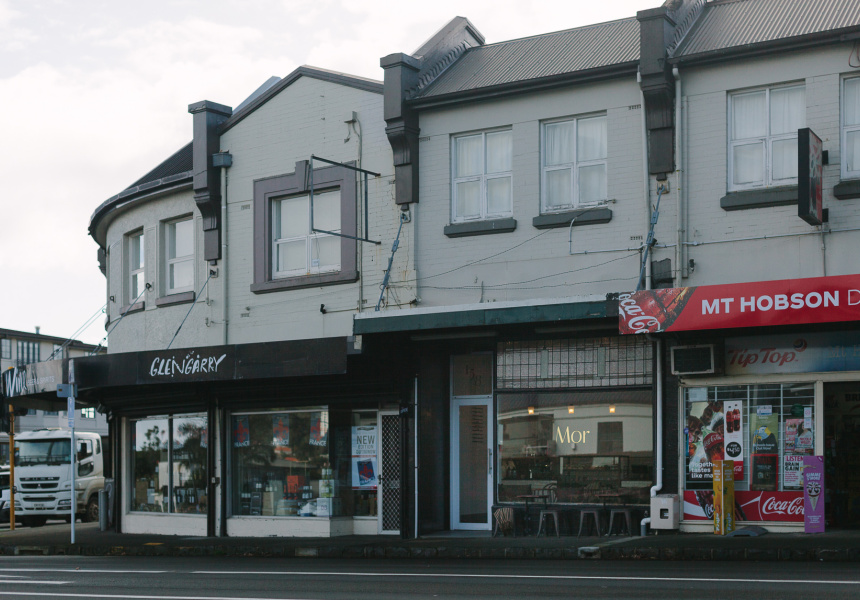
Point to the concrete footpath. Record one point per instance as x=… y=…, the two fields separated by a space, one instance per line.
x=54 y=539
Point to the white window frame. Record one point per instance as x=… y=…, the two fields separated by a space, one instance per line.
x=6 y=349
x=483 y=177
x=574 y=166
x=132 y=271
x=310 y=238
x=846 y=129
x=171 y=261
x=766 y=140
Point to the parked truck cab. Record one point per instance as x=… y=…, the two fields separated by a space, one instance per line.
x=43 y=476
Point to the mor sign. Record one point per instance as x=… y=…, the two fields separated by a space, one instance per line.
x=756 y=304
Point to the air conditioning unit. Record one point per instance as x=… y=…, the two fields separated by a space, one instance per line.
x=702 y=359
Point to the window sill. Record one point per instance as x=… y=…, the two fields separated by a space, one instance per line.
x=305 y=281
x=845 y=190
x=132 y=308
x=455 y=230
x=585 y=216
x=759 y=198
x=171 y=299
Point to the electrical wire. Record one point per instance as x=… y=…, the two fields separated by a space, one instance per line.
x=200 y=293
x=122 y=316
x=536 y=287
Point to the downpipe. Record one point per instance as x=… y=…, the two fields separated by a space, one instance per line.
x=658 y=433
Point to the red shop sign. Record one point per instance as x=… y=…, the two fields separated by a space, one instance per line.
x=756 y=304
x=749 y=506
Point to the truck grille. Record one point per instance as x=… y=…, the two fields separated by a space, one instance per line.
x=39 y=483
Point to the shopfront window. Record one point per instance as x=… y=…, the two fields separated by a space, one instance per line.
x=765 y=429
x=281 y=464
x=169 y=468
x=589 y=446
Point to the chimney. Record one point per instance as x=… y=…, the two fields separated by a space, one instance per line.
x=37 y=329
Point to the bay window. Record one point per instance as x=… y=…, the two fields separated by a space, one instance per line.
x=481 y=169
x=573 y=169
x=763 y=128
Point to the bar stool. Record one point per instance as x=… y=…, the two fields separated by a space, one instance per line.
x=589 y=512
x=544 y=514
x=628 y=517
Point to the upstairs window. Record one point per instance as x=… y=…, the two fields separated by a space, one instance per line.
x=573 y=163
x=135 y=265
x=179 y=269
x=851 y=128
x=482 y=176
x=763 y=128
x=28 y=352
x=6 y=348
x=296 y=249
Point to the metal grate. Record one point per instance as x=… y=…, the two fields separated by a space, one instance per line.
x=391 y=488
x=574 y=363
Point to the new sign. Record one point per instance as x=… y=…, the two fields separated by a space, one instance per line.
x=756 y=304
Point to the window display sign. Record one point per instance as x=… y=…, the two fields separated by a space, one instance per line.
x=810 y=179
x=765 y=450
x=791 y=471
x=364 y=467
x=807 y=353
x=813 y=501
x=749 y=506
x=755 y=304
x=706 y=434
x=734 y=436
x=724 y=497
x=241 y=433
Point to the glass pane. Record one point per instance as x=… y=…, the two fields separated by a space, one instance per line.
x=136 y=252
x=851 y=102
x=291 y=256
x=325 y=252
x=181 y=275
x=787 y=110
x=327 y=211
x=181 y=239
x=499 y=150
x=591 y=139
x=136 y=285
x=468 y=203
x=290 y=218
x=558 y=143
x=150 y=471
x=852 y=150
x=785 y=159
x=558 y=188
x=499 y=196
x=473 y=464
x=281 y=465
x=748 y=164
x=473 y=375
x=190 y=441
x=470 y=156
x=748 y=115
x=592 y=183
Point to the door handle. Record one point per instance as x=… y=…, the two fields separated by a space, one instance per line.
x=490 y=461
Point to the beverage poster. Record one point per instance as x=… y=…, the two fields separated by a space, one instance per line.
x=364 y=469
x=813 y=501
x=780 y=507
x=705 y=437
x=734 y=437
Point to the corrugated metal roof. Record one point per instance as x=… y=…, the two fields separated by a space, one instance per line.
x=580 y=49
x=728 y=24
x=178 y=162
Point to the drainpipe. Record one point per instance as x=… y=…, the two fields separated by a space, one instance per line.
x=680 y=263
x=224 y=270
x=646 y=178
x=658 y=348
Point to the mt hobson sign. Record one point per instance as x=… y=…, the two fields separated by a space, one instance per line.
x=755 y=304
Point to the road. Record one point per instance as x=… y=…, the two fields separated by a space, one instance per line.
x=28 y=578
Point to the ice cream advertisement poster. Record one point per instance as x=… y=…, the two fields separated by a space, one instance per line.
x=813 y=494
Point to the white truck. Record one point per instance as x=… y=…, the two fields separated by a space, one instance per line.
x=43 y=477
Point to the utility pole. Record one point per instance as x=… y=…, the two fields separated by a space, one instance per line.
x=11 y=467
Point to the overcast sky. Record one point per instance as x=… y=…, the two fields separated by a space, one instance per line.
x=94 y=93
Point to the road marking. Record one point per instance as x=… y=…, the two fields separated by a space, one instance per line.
x=79 y=571
x=507 y=576
x=140 y=596
x=33 y=582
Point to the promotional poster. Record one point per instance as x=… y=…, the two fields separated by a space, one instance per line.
x=364 y=467
x=813 y=498
x=724 y=497
x=749 y=506
x=707 y=434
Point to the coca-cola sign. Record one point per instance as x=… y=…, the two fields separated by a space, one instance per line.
x=750 y=506
x=757 y=304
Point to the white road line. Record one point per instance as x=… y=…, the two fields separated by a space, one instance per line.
x=139 y=596
x=33 y=582
x=506 y=576
x=80 y=571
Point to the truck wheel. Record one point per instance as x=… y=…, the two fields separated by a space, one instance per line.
x=91 y=514
x=33 y=521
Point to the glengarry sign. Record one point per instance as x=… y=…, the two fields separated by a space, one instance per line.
x=755 y=304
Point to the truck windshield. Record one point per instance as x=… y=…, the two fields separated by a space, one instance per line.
x=43 y=452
